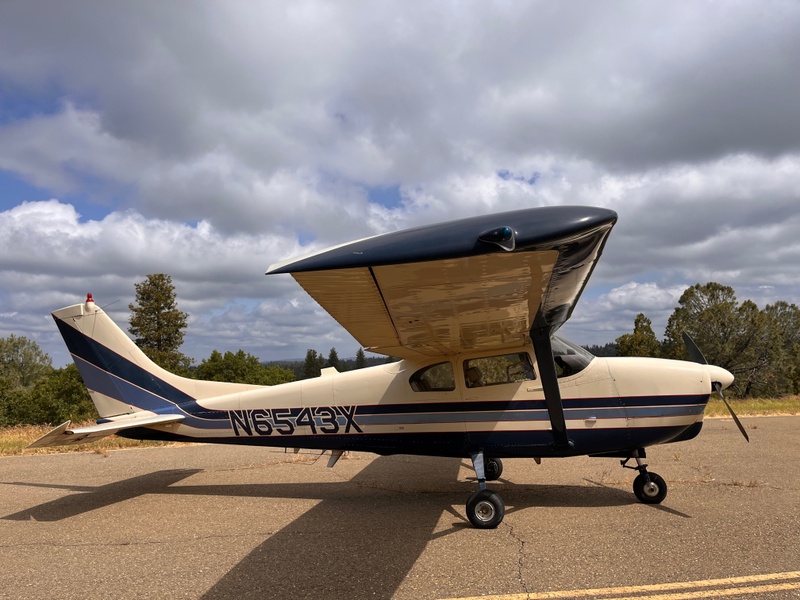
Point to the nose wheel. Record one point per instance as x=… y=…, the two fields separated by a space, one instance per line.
x=649 y=488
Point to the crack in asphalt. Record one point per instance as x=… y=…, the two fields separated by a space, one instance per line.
x=520 y=556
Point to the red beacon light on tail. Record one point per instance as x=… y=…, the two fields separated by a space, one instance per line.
x=89 y=298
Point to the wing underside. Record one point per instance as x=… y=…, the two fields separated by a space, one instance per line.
x=445 y=289
x=438 y=307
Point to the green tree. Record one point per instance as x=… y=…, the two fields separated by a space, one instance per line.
x=10 y=397
x=22 y=361
x=333 y=360
x=157 y=325
x=784 y=332
x=361 y=359
x=241 y=367
x=275 y=374
x=23 y=365
x=57 y=397
x=642 y=342
x=731 y=335
x=313 y=364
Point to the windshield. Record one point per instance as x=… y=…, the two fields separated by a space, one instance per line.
x=569 y=358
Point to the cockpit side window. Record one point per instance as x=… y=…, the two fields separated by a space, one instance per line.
x=570 y=358
x=434 y=378
x=494 y=370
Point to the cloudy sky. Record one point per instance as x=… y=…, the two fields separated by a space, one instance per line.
x=208 y=140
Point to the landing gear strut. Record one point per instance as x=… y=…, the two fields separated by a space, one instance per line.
x=485 y=508
x=649 y=488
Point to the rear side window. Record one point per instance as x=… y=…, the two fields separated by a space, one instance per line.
x=435 y=378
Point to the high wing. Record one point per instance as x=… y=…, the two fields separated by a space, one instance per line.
x=474 y=284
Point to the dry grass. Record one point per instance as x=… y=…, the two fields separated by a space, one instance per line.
x=753 y=407
x=14 y=441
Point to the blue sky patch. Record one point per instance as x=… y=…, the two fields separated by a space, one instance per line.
x=14 y=191
x=388 y=196
x=21 y=104
x=507 y=175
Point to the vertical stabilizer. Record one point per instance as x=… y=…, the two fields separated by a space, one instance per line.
x=120 y=378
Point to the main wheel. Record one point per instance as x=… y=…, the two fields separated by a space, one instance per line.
x=650 y=492
x=493 y=468
x=485 y=509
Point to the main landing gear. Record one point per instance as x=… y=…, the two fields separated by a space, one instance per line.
x=649 y=488
x=485 y=508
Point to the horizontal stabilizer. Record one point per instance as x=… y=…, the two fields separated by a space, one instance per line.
x=64 y=436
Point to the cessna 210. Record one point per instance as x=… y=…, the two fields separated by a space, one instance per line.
x=471 y=308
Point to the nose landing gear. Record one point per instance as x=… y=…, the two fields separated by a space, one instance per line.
x=649 y=488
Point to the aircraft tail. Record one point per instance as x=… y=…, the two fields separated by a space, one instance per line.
x=121 y=379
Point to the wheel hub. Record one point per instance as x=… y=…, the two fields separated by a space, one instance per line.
x=651 y=489
x=485 y=511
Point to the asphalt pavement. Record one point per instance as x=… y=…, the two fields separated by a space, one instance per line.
x=214 y=522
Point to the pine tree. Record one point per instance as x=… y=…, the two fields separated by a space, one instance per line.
x=361 y=360
x=311 y=365
x=642 y=342
x=156 y=323
x=333 y=360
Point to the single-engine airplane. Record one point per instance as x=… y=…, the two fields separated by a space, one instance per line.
x=471 y=308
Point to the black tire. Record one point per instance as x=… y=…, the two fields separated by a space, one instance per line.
x=493 y=468
x=485 y=509
x=653 y=492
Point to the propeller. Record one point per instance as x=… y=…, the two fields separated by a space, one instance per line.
x=697 y=356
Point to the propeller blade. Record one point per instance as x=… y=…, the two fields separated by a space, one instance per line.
x=697 y=356
x=733 y=414
x=693 y=350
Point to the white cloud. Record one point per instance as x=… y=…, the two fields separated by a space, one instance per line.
x=212 y=142
x=605 y=317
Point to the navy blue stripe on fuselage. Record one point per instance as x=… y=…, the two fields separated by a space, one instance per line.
x=477 y=406
x=512 y=414
x=108 y=373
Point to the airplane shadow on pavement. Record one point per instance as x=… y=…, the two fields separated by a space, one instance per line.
x=87 y=499
x=360 y=541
